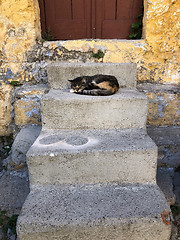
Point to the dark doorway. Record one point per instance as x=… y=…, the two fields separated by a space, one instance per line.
x=84 y=19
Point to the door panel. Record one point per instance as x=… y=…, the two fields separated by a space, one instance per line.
x=78 y=9
x=61 y=9
x=118 y=18
x=69 y=29
x=118 y=29
x=124 y=9
x=78 y=19
x=109 y=9
x=67 y=19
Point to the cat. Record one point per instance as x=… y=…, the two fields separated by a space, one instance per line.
x=97 y=85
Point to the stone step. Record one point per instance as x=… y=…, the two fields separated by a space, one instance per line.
x=59 y=73
x=92 y=156
x=95 y=212
x=64 y=110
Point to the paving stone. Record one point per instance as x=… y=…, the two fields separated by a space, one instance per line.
x=21 y=145
x=177 y=186
x=165 y=182
x=13 y=192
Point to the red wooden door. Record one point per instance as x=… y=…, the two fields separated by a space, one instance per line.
x=114 y=18
x=68 y=19
x=78 y=19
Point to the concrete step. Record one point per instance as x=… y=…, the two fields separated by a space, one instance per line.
x=64 y=110
x=91 y=156
x=59 y=73
x=95 y=212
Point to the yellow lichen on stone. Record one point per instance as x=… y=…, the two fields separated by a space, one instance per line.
x=158 y=53
x=27 y=107
x=164 y=109
x=5 y=109
x=59 y=52
x=27 y=112
x=162 y=33
x=19 y=29
x=157 y=56
x=115 y=50
x=53 y=46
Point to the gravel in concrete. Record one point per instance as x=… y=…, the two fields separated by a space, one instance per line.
x=91 y=212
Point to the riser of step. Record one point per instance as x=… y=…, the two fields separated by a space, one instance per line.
x=65 y=110
x=69 y=157
x=91 y=212
x=60 y=73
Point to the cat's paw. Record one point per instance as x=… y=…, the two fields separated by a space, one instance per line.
x=71 y=91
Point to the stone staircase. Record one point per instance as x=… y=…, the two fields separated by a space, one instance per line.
x=93 y=167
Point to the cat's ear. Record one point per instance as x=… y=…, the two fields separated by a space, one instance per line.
x=70 y=80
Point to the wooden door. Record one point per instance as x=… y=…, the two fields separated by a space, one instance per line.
x=78 y=19
x=66 y=19
x=114 y=18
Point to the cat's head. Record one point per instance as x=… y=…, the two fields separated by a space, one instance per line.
x=78 y=84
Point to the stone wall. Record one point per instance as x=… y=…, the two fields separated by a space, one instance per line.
x=24 y=58
x=19 y=30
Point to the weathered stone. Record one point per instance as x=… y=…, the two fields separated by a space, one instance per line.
x=27 y=104
x=163 y=103
x=156 y=55
x=92 y=156
x=64 y=110
x=21 y=145
x=60 y=73
x=91 y=148
x=177 y=186
x=163 y=109
x=165 y=182
x=20 y=28
x=5 y=109
x=5 y=147
x=10 y=235
x=168 y=142
x=91 y=212
x=13 y=192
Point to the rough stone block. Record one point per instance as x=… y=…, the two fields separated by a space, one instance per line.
x=64 y=110
x=165 y=182
x=168 y=142
x=5 y=109
x=91 y=212
x=59 y=73
x=177 y=186
x=91 y=156
x=13 y=192
x=27 y=104
x=21 y=145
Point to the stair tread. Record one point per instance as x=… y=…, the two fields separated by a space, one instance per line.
x=51 y=208
x=91 y=156
x=77 y=141
x=66 y=95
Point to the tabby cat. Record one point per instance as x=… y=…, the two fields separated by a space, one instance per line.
x=97 y=85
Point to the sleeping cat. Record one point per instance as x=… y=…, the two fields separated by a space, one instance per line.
x=97 y=85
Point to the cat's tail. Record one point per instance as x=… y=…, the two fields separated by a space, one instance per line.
x=99 y=92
